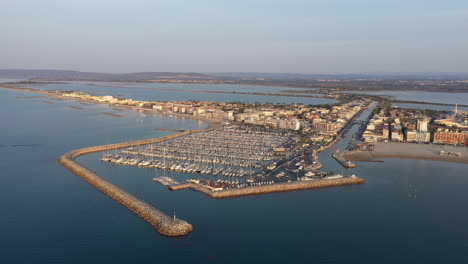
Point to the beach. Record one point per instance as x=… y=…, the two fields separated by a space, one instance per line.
x=408 y=151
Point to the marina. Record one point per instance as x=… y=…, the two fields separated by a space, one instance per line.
x=227 y=158
x=93 y=221
x=230 y=151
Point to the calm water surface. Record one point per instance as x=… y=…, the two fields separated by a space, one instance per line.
x=431 y=97
x=145 y=92
x=429 y=106
x=408 y=211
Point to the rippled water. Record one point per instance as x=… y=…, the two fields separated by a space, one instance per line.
x=408 y=211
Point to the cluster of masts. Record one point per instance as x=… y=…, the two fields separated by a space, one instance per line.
x=182 y=155
x=175 y=166
x=231 y=148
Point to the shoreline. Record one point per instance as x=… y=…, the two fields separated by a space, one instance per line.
x=212 y=123
x=408 y=151
x=162 y=222
x=335 y=97
x=245 y=83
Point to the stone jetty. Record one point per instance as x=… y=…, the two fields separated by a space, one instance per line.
x=163 y=223
x=345 y=163
x=273 y=188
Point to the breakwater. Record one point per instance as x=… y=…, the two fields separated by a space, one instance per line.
x=345 y=163
x=162 y=222
x=273 y=188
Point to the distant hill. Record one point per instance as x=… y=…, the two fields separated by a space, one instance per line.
x=290 y=78
x=347 y=76
x=94 y=76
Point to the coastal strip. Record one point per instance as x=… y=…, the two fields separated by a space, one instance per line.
x=233 y=92
x=162 y=222
x=408 y=151
x=273 y=188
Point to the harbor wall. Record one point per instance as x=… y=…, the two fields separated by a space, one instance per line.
x=343 y=162
x=273 y=188
x=162 y=222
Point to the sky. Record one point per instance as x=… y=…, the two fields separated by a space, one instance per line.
x=291 y=36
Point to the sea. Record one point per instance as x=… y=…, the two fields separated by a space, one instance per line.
x=408 y=211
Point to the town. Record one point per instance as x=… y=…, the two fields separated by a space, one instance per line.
x=257 y=144
x=418 y=126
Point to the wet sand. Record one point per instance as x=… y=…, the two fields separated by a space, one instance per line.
x=408 y=151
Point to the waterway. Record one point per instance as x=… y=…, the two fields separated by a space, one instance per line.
x=408 y=211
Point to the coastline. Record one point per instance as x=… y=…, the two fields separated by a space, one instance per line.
x=163 y=223
x=212 y=123
x=407 y=151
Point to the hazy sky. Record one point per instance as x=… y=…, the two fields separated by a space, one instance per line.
x=310 y=36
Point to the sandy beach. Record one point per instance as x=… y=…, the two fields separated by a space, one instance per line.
x=408 y=151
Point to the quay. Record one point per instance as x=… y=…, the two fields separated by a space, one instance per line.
x=162 y=222
x=273 y=188
x=341 y=160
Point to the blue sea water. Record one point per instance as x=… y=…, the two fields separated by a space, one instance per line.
x=408 y=211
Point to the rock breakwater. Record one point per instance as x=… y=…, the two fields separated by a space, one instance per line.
x=162 y=222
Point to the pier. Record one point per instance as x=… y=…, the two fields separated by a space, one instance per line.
x=163 y=223
x=273 y=188
x=345 y=163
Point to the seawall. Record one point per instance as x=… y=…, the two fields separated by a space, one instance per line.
x=273 y=188
x=162 y=222
x=343 y=162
